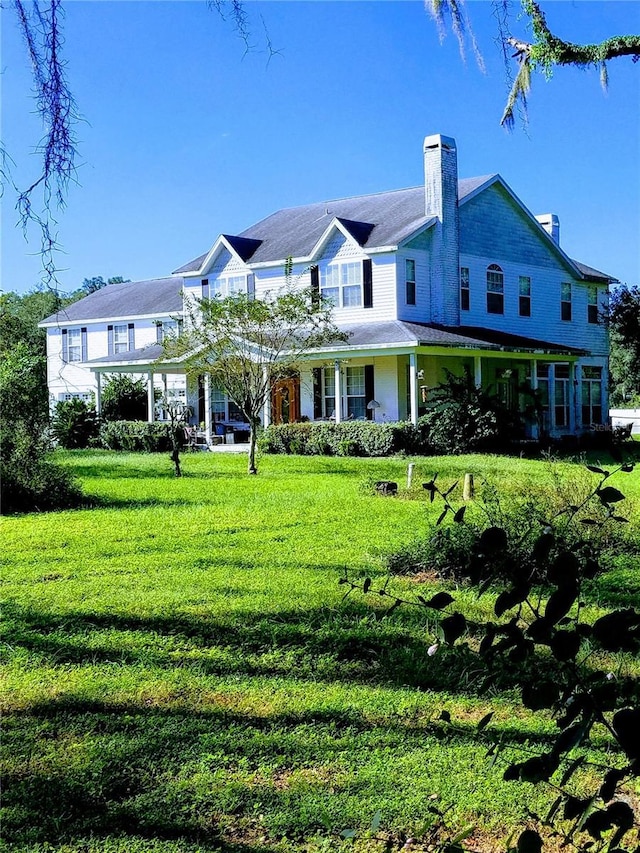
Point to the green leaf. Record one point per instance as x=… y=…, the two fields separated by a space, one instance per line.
x=597 y=470
x=609 y=495
x=439 y=600
x=459 y=515
x=375 y=821
x=484 y=722
x=529 y=842
x=442 y=516
x=493 y=539
x=560 y=603
x=453 y=627
x=571 y=769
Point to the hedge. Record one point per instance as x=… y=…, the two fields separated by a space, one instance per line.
x=348 y=438
x=136 y=436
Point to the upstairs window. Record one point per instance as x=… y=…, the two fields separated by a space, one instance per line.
x=495 y=290
x=230 y=285
x=565 y=300
x=592 y=306
x=120 y=338
x=74 y=345
x=464 y=289
x=410 y=281
x=524 y=298
x=341 y=284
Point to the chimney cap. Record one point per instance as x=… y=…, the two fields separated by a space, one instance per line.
x=437 y=140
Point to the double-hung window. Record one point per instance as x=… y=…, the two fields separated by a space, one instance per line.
x=341 y=284
x=356 y=391
x=592 y=306
x=410 y=281
x=230 y=285
x=524 y=298
x=561 y=397
x=565 y=300
x=74 y=345
x=464 y=289
x=591 y=396
x=495 y=290
x=120 y=338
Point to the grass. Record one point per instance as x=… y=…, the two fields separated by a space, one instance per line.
x=181 y=673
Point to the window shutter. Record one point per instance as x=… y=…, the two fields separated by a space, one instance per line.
x=367 y=283
x=315 y=286
x=317 y=391
x=251 y=285
x=369 y=393
x=205 y=288
x=132 y=342
x=83 y=344
x=110 y=340
x=65 y=346
x=159 y=335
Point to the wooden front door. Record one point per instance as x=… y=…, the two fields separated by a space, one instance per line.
x=285 y=401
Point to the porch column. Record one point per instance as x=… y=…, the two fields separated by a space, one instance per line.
x=413 y=387
x=165 y=387
x=266 y=410
x=207 y=406
x=150 y=398
x=477 y=371
x=98 y=394
x=573 y=401
x=338 y=391
x=535 y=432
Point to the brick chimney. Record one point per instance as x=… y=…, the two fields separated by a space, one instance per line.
x=551 y=225
x=441 y=201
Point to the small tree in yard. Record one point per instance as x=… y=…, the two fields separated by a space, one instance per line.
x=248 y=344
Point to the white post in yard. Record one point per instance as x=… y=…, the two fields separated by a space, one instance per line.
x=338 y=391
x=207 y=407
x=467 y=489
x=151 y=402
x=413 y=387
x=477 y=370
x=410 y=474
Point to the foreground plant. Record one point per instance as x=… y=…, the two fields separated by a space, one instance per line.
x=543 y=644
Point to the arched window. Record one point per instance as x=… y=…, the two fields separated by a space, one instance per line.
x=495 y=289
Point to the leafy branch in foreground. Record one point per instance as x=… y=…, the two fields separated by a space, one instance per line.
x=542 y=643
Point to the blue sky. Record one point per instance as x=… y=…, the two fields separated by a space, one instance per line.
x=183 y=138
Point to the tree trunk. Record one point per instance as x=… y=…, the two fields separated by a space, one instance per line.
x=253 y=438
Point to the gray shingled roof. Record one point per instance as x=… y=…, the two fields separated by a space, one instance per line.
x=160 y=296
x=399 y=332
x=388 y=217
x=144 y=354
x=592 y=274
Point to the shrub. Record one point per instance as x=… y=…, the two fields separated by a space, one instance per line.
x=124 y=399
x=348 y=438
x=136 y=436
x=463 y=418
x=29 y=480
x=450 y=551
x=75 y=424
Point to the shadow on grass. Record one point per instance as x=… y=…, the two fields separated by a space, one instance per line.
x=79 y=767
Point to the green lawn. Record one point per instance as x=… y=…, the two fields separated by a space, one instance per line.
x=181 y=673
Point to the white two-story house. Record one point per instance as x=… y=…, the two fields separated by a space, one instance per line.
x=452 y=275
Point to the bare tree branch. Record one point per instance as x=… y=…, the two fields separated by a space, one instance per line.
x=42 y=33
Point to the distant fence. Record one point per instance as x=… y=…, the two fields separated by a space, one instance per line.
x=622 y=417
